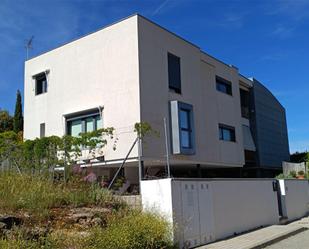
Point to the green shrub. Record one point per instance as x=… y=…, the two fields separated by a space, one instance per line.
x=135 y=230
x=280 y=176
x=293 y=173
x=18 y=243
x=301 y=173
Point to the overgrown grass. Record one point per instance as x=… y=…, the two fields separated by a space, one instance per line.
x=123 y=229
x=134 y=230
x=37 y=194
x=18 y=243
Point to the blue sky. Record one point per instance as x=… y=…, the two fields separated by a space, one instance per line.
x=266 y=39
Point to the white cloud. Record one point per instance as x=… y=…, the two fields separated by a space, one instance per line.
x=160 y=7
x=294 y=9
x=283 y=31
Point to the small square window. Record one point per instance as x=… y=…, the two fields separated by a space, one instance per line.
x=40 y=83
x=227 y=133
x=223 y=85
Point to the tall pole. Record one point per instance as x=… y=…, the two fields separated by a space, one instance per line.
x=140 y=163
x=166 y=149
x=28 y=46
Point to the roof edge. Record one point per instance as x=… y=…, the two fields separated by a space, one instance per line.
x=83 y=36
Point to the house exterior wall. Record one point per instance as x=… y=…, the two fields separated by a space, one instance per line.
x=100 y=69
x=198 y=88
x=269 y=128
x=124 y=68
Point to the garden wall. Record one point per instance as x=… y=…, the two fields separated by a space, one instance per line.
x=207 y=210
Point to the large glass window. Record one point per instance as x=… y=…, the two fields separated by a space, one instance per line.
x=40 y=83
x=223 y=85
x=227 y=133
x=88 y=123
x=174 y=73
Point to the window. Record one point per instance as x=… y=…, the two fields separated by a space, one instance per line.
x=182 y=128
x=42 y=130
x=83 y=124
x=174 y=74
x=40 y=83
x=227 y=133
x=244 y=102
x=185 y=128
x=223 y=85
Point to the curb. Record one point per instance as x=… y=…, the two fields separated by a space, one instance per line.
x=278 y=238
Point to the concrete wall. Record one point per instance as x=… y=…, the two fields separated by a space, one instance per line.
x=101 y=69
x=241 y=205
x=204 y=211
x=269 y=127
x=296 y=197
x=198 y=88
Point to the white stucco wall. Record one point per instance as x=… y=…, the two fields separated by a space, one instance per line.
x=208 y=210
x=198 y=72
x=241 y=205
x=123 y=67
x=100 y=69
x=296 y=198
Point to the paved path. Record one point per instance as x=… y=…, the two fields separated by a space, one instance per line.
x=262 y=237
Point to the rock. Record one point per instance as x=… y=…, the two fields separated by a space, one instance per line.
x=96 y=222
x=82 y=217
x=37 y=232
x=2 y=226
x=10 y=221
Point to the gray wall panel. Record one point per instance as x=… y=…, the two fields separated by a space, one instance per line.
x=269 y=128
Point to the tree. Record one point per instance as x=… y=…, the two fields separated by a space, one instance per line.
x=299 y=157
x=18 y=115
x=6 y=121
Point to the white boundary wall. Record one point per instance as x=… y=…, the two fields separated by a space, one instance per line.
x=295 y=195
x=203 y=211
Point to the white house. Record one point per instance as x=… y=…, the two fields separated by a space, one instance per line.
x=133 y=71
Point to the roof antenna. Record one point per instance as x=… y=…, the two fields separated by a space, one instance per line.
x=28 y=46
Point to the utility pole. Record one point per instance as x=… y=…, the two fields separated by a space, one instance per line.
x=28 y=46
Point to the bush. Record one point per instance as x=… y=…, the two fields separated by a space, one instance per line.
x=301 y=173
x=293 y=173
x=135 y=230
x=280 y=176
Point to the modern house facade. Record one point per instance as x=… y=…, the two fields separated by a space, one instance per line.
x=136 y=71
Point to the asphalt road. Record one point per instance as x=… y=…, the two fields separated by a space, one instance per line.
x=298 y=241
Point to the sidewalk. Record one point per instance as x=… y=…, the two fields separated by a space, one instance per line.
x=262 y=237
